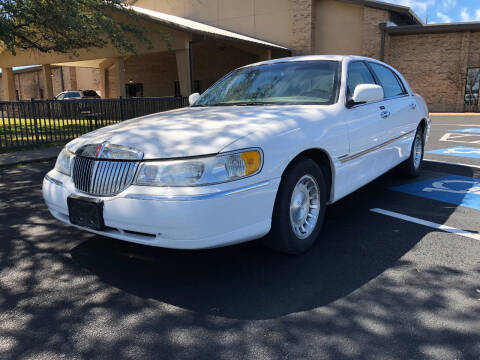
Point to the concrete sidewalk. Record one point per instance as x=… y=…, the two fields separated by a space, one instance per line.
x=27 y=156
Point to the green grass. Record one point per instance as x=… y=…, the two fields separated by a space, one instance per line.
x=21 y=132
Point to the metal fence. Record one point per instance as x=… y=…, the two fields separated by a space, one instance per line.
x=30 y=123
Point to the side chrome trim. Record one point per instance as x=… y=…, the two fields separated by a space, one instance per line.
x=365 y=152
x=197 y=197
x=53 y=181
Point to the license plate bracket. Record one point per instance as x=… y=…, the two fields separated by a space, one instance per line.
x=86 y=212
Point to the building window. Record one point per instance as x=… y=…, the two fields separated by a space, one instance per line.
x=472 y=86
x=134 y=90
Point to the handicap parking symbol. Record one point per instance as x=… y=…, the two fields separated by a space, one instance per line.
x=460 y=151
x=458 y=190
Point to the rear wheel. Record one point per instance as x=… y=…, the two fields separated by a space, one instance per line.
x=413 y=165
x=299 y=208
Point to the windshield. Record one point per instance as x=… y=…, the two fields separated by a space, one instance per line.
x=294 y=82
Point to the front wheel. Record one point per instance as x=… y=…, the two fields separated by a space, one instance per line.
x=413 y=165
x=299 y=208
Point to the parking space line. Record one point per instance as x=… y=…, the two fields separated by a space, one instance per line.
x=412 y=219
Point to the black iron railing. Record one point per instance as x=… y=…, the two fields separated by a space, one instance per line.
x=30 y=123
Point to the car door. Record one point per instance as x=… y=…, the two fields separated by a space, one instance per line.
x=398 y=116
x=367 y=130
x=366 y=126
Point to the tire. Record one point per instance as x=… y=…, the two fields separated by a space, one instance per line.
x=413 y=165
x=292 y=207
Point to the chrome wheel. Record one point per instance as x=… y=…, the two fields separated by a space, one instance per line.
x=304 y=206
x=417 y=151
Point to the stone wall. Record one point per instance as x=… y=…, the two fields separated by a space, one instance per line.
x=302 y=26
x=372 y=34
x=435 y=65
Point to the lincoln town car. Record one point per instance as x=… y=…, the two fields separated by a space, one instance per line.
x=259 y=155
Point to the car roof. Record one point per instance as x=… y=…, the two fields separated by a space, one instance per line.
x=314 y=58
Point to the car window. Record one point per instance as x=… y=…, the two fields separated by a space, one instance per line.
x=72 y=94
x=60 y=97
x=90 y=93
x=358 y=73
x=283 y=83
x=388 y=80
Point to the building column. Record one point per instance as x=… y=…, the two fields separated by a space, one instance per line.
x=183 y=69
x=266 y=55
x=47 y=81
x=8 y=84
x=303 y=18
x=104 y=82
x=120 y=77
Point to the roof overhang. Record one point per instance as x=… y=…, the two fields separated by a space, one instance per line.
x=433 y=28
x=399 y=9
x=195 y=27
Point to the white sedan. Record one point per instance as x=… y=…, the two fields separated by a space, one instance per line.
x=259 y=154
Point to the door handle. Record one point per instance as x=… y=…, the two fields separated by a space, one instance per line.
x=385 y=114
x=413 y=106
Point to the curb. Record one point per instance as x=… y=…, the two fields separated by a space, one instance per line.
x=24 y=162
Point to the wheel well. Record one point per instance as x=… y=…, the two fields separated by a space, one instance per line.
x=323 y=160
x=422 y=125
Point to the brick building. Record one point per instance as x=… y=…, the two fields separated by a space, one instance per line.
x=211 y=37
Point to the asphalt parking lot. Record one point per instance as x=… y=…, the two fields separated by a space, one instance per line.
x=382 y=284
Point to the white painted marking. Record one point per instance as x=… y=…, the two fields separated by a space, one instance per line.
x=433 y=225
x=457 y=137
x=452 y=163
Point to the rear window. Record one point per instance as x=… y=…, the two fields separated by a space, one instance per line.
x=389 y=81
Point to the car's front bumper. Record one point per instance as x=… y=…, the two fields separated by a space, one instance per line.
x=181 y=218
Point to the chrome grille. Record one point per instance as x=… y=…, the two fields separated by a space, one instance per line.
x=102 y=177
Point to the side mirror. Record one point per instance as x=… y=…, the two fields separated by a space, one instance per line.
x=192 y=98
x=366 y=93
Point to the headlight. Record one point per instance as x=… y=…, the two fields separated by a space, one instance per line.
x=64 y=161
x=201 y=171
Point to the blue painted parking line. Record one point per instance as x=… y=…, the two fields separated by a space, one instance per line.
x=461 y=151
x=468 y=130
x=453 y=189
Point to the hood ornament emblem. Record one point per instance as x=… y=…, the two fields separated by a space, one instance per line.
x=106 y=150
x=100 y=149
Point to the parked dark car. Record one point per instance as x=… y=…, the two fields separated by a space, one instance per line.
x=77 y=95
x=78 y=103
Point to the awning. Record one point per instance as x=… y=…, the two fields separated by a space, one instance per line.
x=196 y=27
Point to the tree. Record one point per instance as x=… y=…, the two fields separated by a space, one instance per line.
x=66 y=25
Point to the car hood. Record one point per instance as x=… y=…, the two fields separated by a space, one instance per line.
x=191 y=131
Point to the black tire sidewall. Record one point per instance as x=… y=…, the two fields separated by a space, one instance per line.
x=415 y=171
x=281 y=236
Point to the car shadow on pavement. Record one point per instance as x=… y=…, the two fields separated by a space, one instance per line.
x=358 y=294
x=247 y=281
